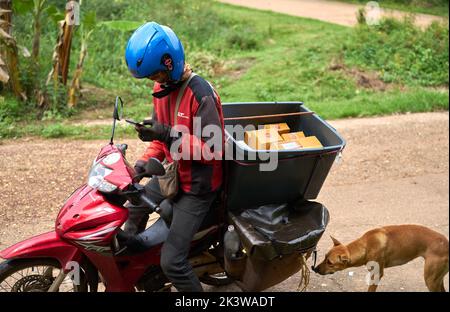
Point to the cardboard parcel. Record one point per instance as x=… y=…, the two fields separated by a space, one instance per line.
x=277 y=137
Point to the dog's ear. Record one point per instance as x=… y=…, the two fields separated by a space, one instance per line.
x=344 y=259
x=335 y=241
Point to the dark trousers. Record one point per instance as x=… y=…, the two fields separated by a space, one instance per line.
x=188 y=214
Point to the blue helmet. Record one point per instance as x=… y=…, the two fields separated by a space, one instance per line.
x=153 y=48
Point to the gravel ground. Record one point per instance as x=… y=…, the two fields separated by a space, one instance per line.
x=394 y=171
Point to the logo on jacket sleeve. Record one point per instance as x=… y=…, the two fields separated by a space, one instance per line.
x=182 y=115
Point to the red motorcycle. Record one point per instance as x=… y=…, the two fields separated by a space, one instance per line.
x=88 y=242
x=253 y=237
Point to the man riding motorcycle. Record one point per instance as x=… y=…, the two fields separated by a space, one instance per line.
x=181 y=99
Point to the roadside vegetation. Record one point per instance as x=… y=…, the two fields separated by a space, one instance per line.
x=248 y=55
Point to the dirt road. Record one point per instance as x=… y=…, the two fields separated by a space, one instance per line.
x=327 y=11
x=394 y=171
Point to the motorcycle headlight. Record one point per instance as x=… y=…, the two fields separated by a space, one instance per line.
x=97 y=176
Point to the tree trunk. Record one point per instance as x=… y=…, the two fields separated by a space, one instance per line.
x=37 y=92
x=37 y=31
x=75 y=87
x=9 y=51
x=64 y=52
x=61 y=55
x=5 y=24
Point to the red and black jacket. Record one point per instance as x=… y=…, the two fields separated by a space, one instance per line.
x=199 y=100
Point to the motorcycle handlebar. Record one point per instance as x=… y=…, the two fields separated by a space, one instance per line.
x=153 y=206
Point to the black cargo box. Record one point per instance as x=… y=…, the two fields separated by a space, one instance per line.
x=300 y=174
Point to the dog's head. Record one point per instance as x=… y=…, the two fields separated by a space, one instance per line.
x=337 y=259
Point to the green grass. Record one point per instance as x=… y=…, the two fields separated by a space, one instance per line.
x=365 y=105
x=362 y=105
x=56 y=130
x=401 y=52
x=252 y=55
x=433 y=7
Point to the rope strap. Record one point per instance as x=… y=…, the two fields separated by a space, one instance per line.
x=304 y=275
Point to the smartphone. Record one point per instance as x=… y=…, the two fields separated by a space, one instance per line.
x=134 y=123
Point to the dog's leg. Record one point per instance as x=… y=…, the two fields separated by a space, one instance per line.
x=442 y=286
x=441 y=279
x=434 y=274
x=376 y=279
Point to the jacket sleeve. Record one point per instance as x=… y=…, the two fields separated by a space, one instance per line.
x=205 y=146
x=156 y=148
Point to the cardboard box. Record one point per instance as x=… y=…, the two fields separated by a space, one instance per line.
x=250 y=138
x=300 y=143
x=292 y=136
x=286 y=145
x=310 y=142
x=280 y=127
x=243 y=145
x=262 y=139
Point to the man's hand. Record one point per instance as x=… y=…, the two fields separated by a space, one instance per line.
x=156 y=131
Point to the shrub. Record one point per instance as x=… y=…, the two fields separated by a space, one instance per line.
x=11 y=109
x=401 y=52
x=59 y=130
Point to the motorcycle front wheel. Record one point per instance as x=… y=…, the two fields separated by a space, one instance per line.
x=37 y=275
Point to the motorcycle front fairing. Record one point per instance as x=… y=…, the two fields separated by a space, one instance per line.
x=88 y=216
x=89 y=220
x=44 y=246
x=86 y=220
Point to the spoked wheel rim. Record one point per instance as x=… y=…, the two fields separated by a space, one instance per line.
x=34 y=276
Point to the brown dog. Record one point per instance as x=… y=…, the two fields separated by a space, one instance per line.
x=392 y=246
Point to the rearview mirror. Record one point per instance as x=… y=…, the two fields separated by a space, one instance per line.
x=118 y=109
x=117 y=115
x=154 y=167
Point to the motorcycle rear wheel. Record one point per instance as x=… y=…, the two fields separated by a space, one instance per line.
x=36 y=275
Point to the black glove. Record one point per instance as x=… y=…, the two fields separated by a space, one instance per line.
x=139 y=166
x=156 y=131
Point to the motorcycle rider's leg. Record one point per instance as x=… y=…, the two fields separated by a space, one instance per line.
x=188 y=214
x=138 y=217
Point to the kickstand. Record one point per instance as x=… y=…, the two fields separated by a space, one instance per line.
x=314 y=259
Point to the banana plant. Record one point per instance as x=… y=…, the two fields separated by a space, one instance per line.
x=22 y=7
x=4 y=77
x=9 y=58
x=88 y=25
